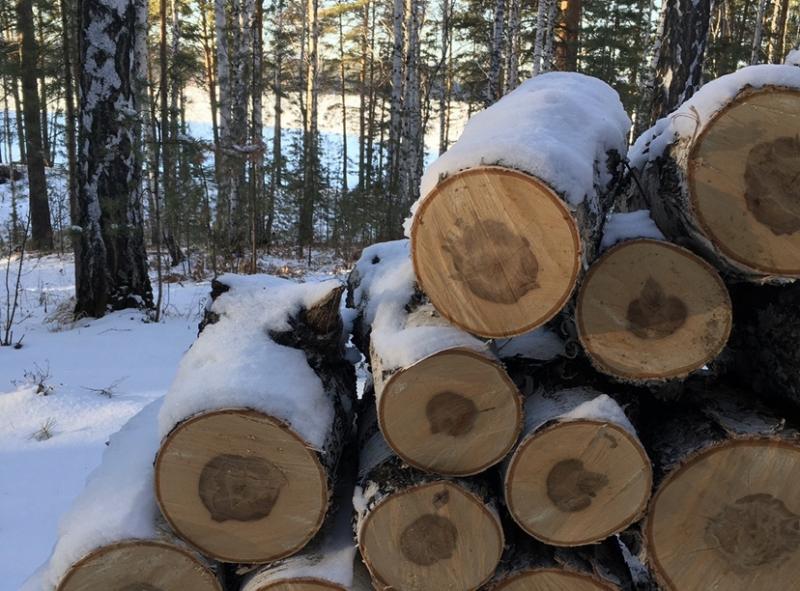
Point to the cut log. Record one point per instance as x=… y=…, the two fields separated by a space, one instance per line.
x=329 y=562
x=417 y=531
x=763 y=351
x=113 y=537
x=579 y=473
x=245 y=468
x=501 y=232
x=445 y=403
x=531 y=566
x=726 y=512
x=650 y=311
x=720 y=173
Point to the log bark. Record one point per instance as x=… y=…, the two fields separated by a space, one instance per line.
x=580 y=473
x=741 y=530
x=133 y=549
x=245 y=470
x=445 y=403
x=649 y=312
x=528 y=564
x=497 y=264
x=418 y=531
x=718 y=174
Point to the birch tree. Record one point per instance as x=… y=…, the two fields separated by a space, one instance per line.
x=496 y=53
x=758 y=32
x=513 y=43
x=111 y=262
x=41 y=230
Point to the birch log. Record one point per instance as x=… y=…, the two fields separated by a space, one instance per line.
x=511 y=213
x=580 y=473
x=445 y=403
x=650 y=311
x=531 y=566
x=417 y=531
x=726 y=512
x=720 y=173
x=113 y=536
x=245 y=468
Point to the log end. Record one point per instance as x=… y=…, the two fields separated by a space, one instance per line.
x=552 y=579
x=578 y=482
x=652 y=311
x=496 y=251
x=729 y=518
x=456 y=412
x=146 y=565
x=431 y=536
x=742 y=176
x=302 y=584
x=240 y=486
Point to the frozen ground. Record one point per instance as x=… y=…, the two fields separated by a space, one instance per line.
x=97 y=374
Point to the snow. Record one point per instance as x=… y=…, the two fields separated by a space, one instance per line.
x=117 y=504
x=627 y=226
x=691 y=117
x=541 y=344
x=572 y=405
x=235 y=363
x=792 y=58
x=555 y=126
x=387 y=286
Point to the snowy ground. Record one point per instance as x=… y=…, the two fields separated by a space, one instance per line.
x=49 y=443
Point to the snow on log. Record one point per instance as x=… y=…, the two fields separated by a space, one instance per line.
x=417 y=531
x=113 y=536
x=445 y=403
x=580 y=473
x=529 y=565
x=726 y=511
x=650 y=311
x=256 y=419
x=512 y=211
x=720 y=172
x=329 y=561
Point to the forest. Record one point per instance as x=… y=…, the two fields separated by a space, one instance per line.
x=205 y=132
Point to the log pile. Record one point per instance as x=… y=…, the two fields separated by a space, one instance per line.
x=642 y=437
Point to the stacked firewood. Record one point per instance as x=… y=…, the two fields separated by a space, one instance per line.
x=583 y=375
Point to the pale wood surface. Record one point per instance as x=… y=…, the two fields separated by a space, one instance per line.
x=729 y=518
x=456 y=412
x=577 y=482
x=553 y=580
x=302 y=585
x=650 y=310
x=743 y=176
x=139 y=565
x=432 y=536
x=240 y=486
x=496 y=251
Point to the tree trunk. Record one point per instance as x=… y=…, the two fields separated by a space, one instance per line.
x=444 y=69
x=112 y=262
x=396 y=113
x=778 y=43
x=679 y=67
x=735 y=205
x=493 y=91
x=41 y=230
x=758 y=32
x=649 y=311
x=310 y=132
x=71 y=115
x=569 y=37
x=476 y=246
x=549 y=36
x=596 y=485
x=444 y=402
x=417 y=531
x=277 y=152
x=245 y=473
x=412 y=138
x=514 y=42
x=739 y=533
x=128 y=552
x=538 y=44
